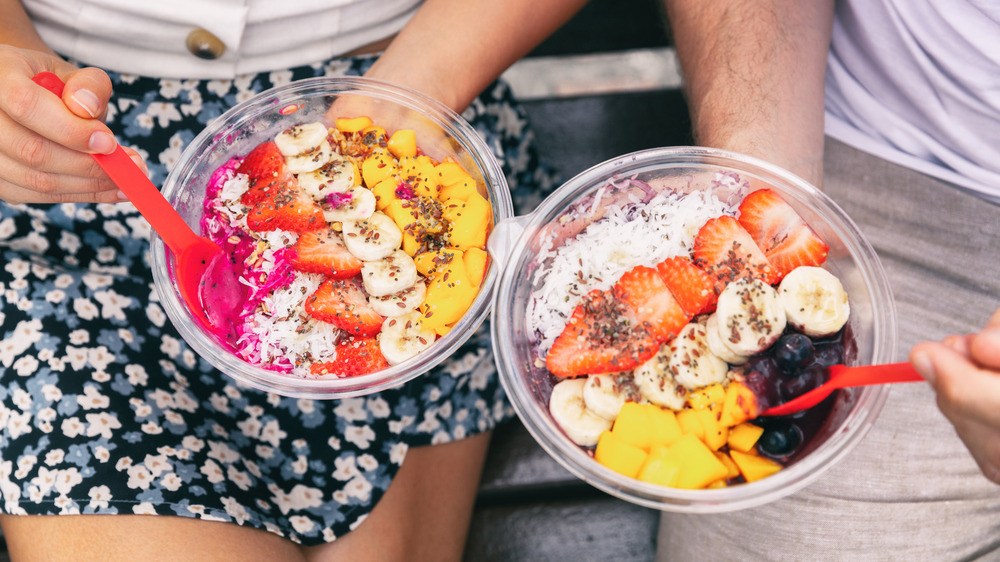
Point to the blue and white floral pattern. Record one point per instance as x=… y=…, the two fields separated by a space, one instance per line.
x=105 y=409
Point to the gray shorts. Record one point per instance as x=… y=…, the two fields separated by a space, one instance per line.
x=910 y=490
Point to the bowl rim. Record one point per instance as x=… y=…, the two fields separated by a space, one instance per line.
x=859 y=420
x=272 y=100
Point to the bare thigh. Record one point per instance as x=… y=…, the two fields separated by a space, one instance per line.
x=424 y=515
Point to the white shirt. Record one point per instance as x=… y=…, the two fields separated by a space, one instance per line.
x=150 y=37
x=917 y=82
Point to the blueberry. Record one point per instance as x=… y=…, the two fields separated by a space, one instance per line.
x=806 y=380
x=829 y=354
x=792 y=352
x=780 y=438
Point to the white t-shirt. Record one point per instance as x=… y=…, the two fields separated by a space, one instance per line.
x=150 y=37
x=917 y=82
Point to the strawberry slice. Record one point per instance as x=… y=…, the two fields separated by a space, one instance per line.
x=691 y=286
x=785 y=238
x=286 y=208
x=323 y=251
x=599 y=338
x=266 y=169
x=343 y=304
x=654 y=306
x=355 y=356
x=727 y=252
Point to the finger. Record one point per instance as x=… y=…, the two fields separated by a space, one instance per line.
x=16 y=194
x=46 y=185
x=984 y=348
x=34 y=151
x=960 y=344
x=87 y=93
x=38 y=110
x=962 y=388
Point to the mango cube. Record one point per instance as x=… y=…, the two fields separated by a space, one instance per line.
x=378 y=166
x=706 y=396
x=743 y=437
x=734 y=470
x=449 y=294
x=403 y=143
x=618 y=455
x=348 y=125
x=739 y=405
x=470 y=220
x=385 y=193
x=475 y=263
x=646 y=425
x=418 y=172
x=449 y=172
x=660 y=467
x=690 y=424
x=715 y=433
x=754 y=467
x=460 y=190
x=699 y=465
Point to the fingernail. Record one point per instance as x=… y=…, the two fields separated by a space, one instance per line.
x=923 y=364
x=102 y=143
x=87 y=100
x=140 y=163
x=122 y=196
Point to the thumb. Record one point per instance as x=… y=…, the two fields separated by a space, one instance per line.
x=87 y=93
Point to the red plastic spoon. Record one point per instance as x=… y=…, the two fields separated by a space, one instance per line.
x=845 y=377
x=193 y=254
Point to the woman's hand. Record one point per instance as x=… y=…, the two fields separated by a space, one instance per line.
x=46 y=142
x=965 y=373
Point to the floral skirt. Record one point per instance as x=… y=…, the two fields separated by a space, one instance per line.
x=105 y=409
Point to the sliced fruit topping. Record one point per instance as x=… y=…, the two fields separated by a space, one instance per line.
x=265 y=167
x=815 y=301
x=655 y=307
x=600 y=338
x=343 y=304
x=691 y=286
x=355 y=356
x=727 y=252
x=286 y=208
x=324 y=251
x=784 y=237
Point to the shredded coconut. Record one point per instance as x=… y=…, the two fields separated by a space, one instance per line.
x=630 y=234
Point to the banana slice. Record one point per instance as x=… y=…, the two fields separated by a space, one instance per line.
x=301 y=139
x=337 y=176
x=404 y=337
x=389 y=275
x=310 y=161
x=750 y=316
x=568 y=409
x=358 y=203
x=814 y=300
x=373 y=238
x=398 y=304
x=691 y=362
x=713 y=336
x=602 y=396
x=657 y=383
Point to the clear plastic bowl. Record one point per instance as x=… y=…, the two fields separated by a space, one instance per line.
x=873 y=320
x=440 y=133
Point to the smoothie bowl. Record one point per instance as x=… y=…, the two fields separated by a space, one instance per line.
x=657 y=303
x=353 y=217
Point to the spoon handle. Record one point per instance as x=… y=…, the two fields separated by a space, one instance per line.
x=845 y=377
x=134 y=183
